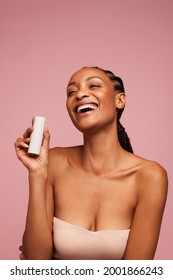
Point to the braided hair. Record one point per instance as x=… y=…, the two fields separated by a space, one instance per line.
x=122 y=134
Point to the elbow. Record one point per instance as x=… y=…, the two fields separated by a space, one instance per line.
x=38 y=249
x=38 y=254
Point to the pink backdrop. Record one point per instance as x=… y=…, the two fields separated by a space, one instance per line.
x=42 y=43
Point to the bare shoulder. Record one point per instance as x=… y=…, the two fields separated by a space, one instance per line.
x=152 y=170
x=57 y=153
x=62 y=156
x=152 y=178
x=64 y=151
x=145 y=169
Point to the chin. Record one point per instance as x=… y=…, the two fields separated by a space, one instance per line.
x=91 y=124
x=90 y=128
x=86 y=128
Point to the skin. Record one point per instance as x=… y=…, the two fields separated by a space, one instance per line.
x=106 y=187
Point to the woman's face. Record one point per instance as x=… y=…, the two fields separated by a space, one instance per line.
x=91 y=99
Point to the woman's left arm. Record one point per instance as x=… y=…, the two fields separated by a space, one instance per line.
x=152 y=184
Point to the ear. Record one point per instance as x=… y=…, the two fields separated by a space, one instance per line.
x=120 y=100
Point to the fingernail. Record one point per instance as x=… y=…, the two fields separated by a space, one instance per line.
x=26 y=145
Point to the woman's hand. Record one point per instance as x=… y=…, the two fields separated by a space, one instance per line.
x=22 y=255
x=33 y=163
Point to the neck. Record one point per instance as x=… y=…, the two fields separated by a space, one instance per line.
x=101 y=151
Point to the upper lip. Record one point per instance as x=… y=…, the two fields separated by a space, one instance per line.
x=84 y=103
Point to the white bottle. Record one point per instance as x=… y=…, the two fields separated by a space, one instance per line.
x=37 y=135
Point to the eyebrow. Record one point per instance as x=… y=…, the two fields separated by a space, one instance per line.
x=87 y=79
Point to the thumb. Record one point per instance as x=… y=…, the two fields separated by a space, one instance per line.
x=46 y=137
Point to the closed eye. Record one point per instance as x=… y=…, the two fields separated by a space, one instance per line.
x=72 y=91
x=94 y=86
x=69 y=93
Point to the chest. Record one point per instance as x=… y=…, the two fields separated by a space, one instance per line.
x=78 y=192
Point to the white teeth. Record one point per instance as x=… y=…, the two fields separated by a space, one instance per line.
x=84 y=106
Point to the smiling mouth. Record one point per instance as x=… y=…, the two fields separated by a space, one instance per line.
x=86 y=108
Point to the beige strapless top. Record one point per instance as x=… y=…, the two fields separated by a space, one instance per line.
x=72 y=242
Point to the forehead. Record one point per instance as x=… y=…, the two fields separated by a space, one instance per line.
x=84 y=73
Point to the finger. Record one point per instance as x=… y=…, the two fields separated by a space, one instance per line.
x=20 y=143
x=24 y=145
x=22 y=256
x=28 y=132
x=27 y=140
x=46 y=138
x=33 y=119
x=21 y=248
x=21 y=149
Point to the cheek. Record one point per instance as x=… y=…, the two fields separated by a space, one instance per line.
x=108 y=113
x=108 y=103
x=106 y=97
x=68 y=106
x=108 y=109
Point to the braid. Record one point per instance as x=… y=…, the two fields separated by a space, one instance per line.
x=122 y=135
x=123 y=138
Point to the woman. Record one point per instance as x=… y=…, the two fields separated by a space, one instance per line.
x=98 y=200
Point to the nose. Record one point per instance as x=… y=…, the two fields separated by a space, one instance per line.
x=82 y=94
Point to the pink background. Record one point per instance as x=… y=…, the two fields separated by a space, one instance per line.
x=42 y=44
